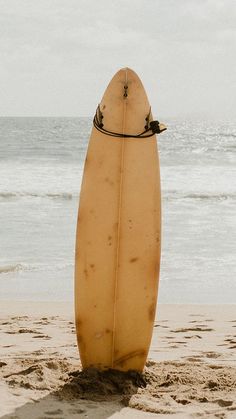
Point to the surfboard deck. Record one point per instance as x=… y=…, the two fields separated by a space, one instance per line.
x=118 y=234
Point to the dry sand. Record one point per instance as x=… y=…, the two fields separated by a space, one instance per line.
x=190 y=373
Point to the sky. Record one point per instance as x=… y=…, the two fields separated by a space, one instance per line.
x=57 y=56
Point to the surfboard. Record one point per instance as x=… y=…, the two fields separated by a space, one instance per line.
x=118 y=236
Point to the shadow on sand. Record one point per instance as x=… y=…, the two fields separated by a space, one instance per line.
x=88 y=394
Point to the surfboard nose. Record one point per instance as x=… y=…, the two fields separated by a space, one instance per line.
x=125 y=96
x=129 y=84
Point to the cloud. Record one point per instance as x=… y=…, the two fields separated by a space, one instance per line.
x=56 y=50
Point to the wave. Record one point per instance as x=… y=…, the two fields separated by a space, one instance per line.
x=18 y=267
x=226 y=134
x=219 y=134
x=200 y=196
x=18 y=195
x=211 y=197
x=169 y=195
x=11 y=268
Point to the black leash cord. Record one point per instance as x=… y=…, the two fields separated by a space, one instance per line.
x=119 y=135
x=151 y=128
x=154 y=128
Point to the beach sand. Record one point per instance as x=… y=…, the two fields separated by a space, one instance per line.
x=190 y=372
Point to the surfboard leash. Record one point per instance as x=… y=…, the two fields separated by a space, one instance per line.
x=151 y=127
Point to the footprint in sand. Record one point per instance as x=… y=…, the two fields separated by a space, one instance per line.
x=231 y=342
x=43 y=417
x=39 y=352
x=54 y=412
x=223 y=403
x=199 y=358
x=41 y=336
x=2 y=364
x=194 y=358
x=216 y=367
x=193 y=337
x=211 y=354
x=160 y=325
x=181 y=401
x=13 y=332
x=199 y=328
x=8 y=346
x=19 y=317
x=76 y=411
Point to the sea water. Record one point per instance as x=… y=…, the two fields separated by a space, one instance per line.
x=41 y=165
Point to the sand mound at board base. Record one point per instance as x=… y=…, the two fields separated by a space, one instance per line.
x=165 y=387
x=162 y=388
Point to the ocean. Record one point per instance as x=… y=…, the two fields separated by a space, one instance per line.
x=41 y=165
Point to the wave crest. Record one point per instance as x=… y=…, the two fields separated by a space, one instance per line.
x=11 y=268
x=18 y=195
x=200 y=196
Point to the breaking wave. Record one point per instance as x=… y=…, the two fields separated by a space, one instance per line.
x=199 y=196
x=18 y=267
x=11 y=268
x=18 y=195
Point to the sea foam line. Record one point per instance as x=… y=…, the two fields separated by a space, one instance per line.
x=18 y=267
x=11 y=268
x=199 y=196
x=18 y=195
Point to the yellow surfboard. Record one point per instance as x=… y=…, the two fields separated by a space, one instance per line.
x=119 y=231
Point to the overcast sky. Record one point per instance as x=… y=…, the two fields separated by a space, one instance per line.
x=57 y=56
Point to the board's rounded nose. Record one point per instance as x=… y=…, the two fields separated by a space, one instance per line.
x=126 y=82
x=127 y=76
x=125 y=100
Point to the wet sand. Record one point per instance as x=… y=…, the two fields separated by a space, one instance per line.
x=190 y=372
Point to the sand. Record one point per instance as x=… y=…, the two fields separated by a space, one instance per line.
x=190 y=372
